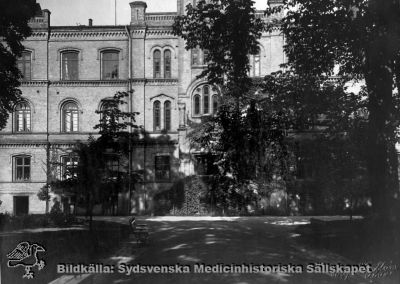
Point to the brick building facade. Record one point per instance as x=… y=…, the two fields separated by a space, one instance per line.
x=70 y=70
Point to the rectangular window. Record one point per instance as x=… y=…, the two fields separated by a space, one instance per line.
x=110 y=65
x=69 y=66
x=69 y=164
x=195 y=57
x=24 y=65
x=162 y=167
x=112 y=166
x=22 y=168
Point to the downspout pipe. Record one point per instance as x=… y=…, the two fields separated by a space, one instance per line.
x=130 y=107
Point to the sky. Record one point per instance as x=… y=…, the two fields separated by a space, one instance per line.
x=77 y=12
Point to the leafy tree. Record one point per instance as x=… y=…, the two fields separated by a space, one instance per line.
x=91 y=181
x=361 y=38
x=14 y=17
x=254 y=131
x=229 y=30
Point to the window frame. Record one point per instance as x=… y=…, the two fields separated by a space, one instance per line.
x=202 y=100
x=62 y=74
x=111 y=162
x=157 y=64
x=71 y=157
x=102 y=64
x=167 y=64
x=156 y=116
x=64 y=120
x=24 y=68
x=26 y=117
x=167 y=115
x=162 y=167
x=23 y=166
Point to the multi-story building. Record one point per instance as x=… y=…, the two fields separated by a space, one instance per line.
x=69 y=71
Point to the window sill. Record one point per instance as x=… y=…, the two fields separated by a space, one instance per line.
x=22 y=181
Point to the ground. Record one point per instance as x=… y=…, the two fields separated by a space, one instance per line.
x=236 y=240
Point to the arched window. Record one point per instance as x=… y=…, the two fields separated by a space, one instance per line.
x=167 y=64
x=157 y=115
x=157 y=63
x=69 y=65
x=70 y=117
x=24 y=65
x=105 y=114
x=167 y=115
x=215 y=104
x=206 y=99
x=22 y=116
x=196 y=102
x=109 y=65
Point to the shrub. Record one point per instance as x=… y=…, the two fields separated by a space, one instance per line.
x=56 y=214
x=185 y=197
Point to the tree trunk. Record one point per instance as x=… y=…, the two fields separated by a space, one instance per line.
x=382 y=157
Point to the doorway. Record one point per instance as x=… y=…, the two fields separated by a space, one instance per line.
x=21 y=205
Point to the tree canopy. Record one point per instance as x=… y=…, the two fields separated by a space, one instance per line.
x=360 y=39
x=14 y=17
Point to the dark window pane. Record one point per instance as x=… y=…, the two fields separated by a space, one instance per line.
x=206 y=99
x=27 y=174
x=157 y=63
x=167 y=115
x=22 y=168
x=195 y=57
x=19 y=173
x=162 y=167
x=69 y=66
x=157 y=115
x=196 y=104
x=167 y=64
x=24 y=65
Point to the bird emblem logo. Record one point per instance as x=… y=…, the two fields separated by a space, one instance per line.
x=26 y=255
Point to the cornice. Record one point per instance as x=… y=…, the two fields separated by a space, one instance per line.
x=38 y=34
x=24 y=144
x=89 y=83
x=162 y=82
x=154 y=82
x=160 y=32
x=87 y=34
x=34 y=83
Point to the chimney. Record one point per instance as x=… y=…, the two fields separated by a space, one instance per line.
x=90 y=22
x=138 y=13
